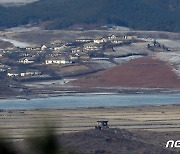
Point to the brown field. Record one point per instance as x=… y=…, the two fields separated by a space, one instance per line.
x=141 y=72
x=19 y=124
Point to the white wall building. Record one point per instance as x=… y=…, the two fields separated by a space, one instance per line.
x=57 y=61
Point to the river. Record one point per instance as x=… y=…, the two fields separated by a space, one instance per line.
x=92 y=100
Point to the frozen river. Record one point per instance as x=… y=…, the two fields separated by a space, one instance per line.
x=92 y=100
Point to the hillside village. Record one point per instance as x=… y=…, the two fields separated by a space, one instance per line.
x=60 y=59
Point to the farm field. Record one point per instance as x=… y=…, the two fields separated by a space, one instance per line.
x=21 y=123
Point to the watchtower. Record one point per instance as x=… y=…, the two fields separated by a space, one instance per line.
x=102 y=124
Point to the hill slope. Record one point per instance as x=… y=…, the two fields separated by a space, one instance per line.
x=138 y=14
x=141 y=72
x=116 y=141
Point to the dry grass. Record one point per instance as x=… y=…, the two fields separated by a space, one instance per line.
x=21 y=123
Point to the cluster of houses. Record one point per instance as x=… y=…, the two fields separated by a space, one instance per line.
x=6 y=70
x=59 y=53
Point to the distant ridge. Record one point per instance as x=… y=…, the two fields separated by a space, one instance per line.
x=160 y=15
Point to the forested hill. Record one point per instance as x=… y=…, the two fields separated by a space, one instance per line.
x=138 y=14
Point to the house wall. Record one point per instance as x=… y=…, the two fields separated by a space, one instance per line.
x=48 y=62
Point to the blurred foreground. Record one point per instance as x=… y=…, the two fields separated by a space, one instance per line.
x=44 y=142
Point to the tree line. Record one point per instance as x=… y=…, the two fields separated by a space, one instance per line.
x=138 y=14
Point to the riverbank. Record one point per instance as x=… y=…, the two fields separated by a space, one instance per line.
x=57 y=88
x=21 y=123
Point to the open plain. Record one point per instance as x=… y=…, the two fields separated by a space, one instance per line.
x=21 y=123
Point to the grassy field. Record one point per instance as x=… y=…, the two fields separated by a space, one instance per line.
x=19 y=124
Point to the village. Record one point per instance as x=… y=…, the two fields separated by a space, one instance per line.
x=81 y=56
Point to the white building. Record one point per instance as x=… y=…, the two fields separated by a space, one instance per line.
x=112 y=37
x=102 y=40
x=12 y=74
x=30 y=73
x=116 y=41
x=84 y=40
x=92 y=47
x=76 y=50
x=57 y=61
x=27 y=60
x=43 y=47
x=129 y=37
